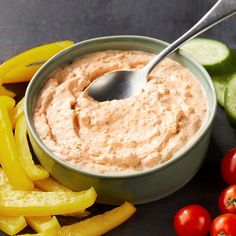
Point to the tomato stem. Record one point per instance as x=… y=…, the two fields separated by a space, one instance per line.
x=231 y=201
x=222 y=234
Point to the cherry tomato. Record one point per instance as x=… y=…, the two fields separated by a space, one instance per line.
x=224 y=225
x=228 y=167
x=227 y=200
x=192 y=220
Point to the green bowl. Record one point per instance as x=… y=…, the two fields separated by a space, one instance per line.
x=143 y=187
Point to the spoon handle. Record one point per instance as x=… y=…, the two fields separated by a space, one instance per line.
x=219 y=12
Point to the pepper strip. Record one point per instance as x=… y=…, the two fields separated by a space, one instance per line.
x=6 y=92
x=100 y=224
x=79 y=214
x=34 y=203
x=10 y=224
x=17 y=111
x=34 y=172
x=46 y=233
x=4 y=184
x=43 y=223
x=8 y=151
x=14 y=224
x=97 y=225
x=50 y=185
x=22 y=67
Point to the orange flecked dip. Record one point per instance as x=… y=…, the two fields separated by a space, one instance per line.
x=119 y=136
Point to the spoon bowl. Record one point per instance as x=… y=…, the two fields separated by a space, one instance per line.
x=117 y=85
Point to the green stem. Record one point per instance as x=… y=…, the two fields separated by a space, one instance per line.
x=222 y=234
x=231 y=201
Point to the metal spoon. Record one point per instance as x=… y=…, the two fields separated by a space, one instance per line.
x=123 y=84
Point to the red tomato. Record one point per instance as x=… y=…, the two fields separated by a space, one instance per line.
x=228 y=167
x=224 y=225
x=192 y=220
x=227 y=200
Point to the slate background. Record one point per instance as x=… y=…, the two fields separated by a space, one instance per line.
x=27 y=23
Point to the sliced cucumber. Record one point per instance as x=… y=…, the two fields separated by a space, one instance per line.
x=230 y=100
x=215 y=56
x=220 y=85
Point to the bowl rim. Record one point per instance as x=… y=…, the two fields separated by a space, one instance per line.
x=180 y=155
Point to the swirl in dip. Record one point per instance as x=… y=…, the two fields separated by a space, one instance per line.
x=118 y=136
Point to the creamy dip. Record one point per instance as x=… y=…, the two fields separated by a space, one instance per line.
x=118 y=136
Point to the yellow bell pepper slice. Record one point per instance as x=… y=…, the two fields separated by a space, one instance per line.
x=11 y=112
x=79 y=214
x=23 y=72
x=34 y=203
x=16 y=112
x=43 y=223
x=34 y=172
x=97 y=225
x=12 y=224
x=8 y=152
x=100 y=224
x=4 y=184
x=50 y=185
x=6 y=92
x=19 y=108
x=22 y=67
x=46 y=233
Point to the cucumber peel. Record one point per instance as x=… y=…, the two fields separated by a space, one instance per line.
x=230 y=100
x=215 y=56
x=220 y=85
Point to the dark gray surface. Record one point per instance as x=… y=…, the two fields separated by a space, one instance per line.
x=27 y=23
